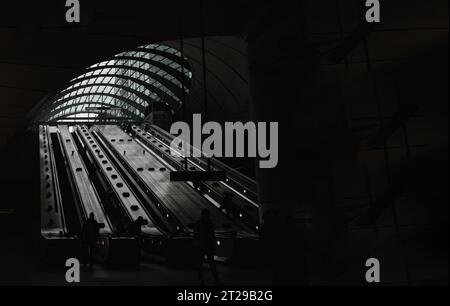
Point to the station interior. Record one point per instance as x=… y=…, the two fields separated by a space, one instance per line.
x=362 y=111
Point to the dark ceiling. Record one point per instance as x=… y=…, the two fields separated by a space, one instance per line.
x=40 y=51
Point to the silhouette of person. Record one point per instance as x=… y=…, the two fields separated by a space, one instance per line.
x=136 y=226
x=285 y=249
x=227 y=203
x=128 y=129
x=90 y=234
x=205 y=243
x=271 y=238
x=295 y=268
x=136 y=231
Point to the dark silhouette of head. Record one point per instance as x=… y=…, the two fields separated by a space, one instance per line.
x=206 y=214
x=140 y=220
x=91 y=216
x=271 y=217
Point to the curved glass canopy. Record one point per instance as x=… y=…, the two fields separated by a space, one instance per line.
x=124 y=87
